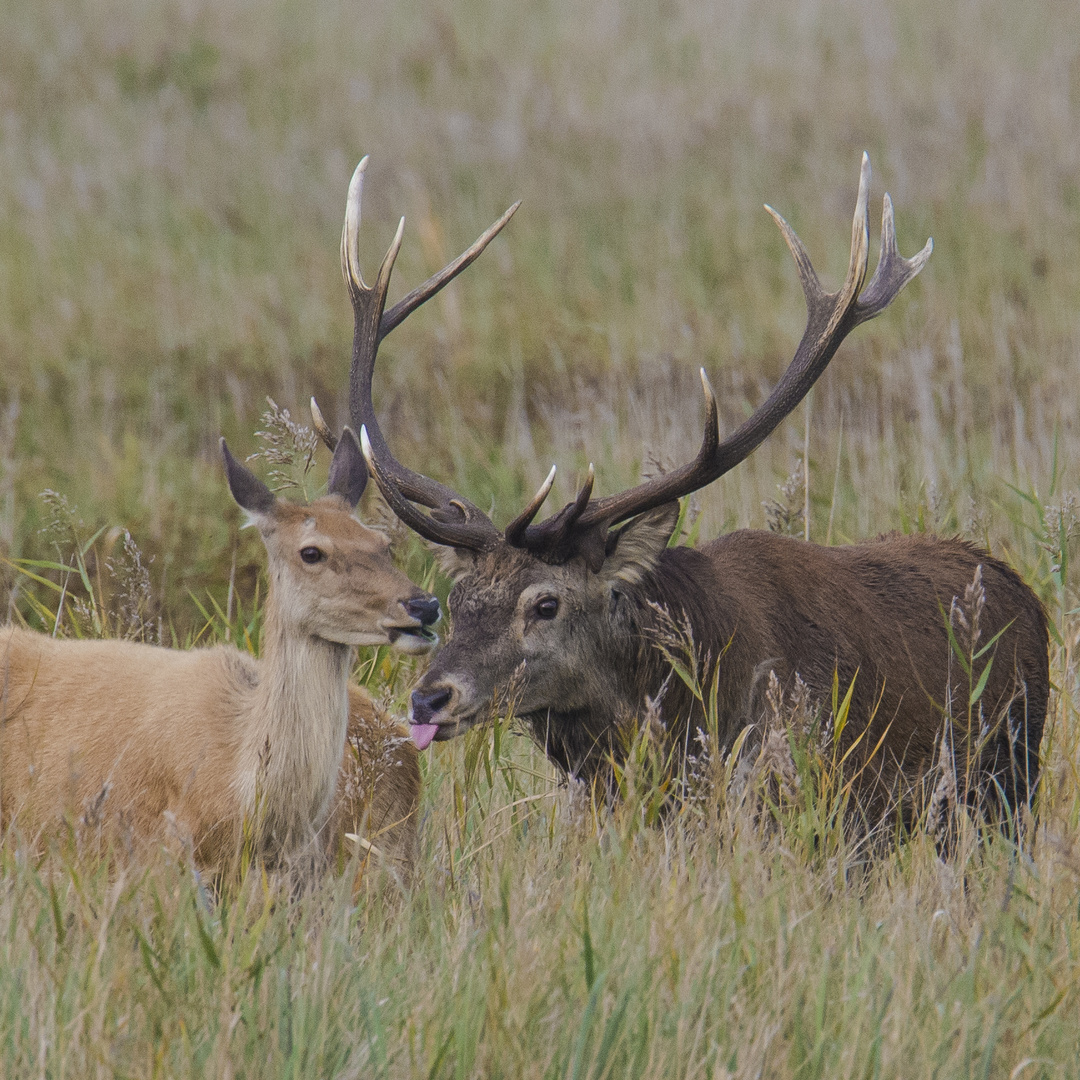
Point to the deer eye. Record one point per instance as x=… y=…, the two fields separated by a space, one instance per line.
x=547 y=607
x=312 y=554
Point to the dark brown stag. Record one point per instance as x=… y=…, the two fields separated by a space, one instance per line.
x=566 y=612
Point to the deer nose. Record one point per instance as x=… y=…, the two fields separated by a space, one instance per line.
x=425 y=609
x=425 y=706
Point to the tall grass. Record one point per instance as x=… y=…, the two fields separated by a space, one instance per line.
x=172 y=181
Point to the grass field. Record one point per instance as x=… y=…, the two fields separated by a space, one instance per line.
x=172 y=186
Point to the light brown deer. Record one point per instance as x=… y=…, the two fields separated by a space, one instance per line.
x=212 y=740
x=566 y=613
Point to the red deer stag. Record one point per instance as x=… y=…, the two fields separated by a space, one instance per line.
x=566 y=612
x=212 y=738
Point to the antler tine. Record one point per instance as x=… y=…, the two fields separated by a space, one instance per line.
x=571 y=513
x=893 y=270
x=350 y=232
x=478 y=534
x=551 y=534
x=515 y=531
x=830 y=318
x=584 y=494
x=322 y=429
x=404 y=308
x=711 y=439
x=456 y=521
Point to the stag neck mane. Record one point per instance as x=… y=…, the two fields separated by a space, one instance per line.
x=666 y=609
x=685 y=613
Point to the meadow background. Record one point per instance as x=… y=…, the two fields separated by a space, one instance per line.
x=172 y=187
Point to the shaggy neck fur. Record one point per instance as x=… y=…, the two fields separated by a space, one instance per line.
x=293 y=734
x=581 y=740
x=679 y=586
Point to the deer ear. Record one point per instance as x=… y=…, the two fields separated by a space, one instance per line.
x=247 y=489
x=634 y=550
x=348 y=471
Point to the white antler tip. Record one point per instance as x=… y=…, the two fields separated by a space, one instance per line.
x=356 y=184
x=785 y=229
x=544 y=489
x=365 y=447
x=920 y=260
x=864 y=179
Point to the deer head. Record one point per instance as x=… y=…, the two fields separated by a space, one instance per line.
x=334 y=578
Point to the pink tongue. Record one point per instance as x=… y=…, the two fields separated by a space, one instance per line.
x=422 y=734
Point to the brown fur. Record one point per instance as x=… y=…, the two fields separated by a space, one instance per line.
x=211 y=745
x=874 y=613
x=378 y=792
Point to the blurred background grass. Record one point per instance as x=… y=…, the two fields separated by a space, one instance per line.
x=172 y=186
x=172 y=182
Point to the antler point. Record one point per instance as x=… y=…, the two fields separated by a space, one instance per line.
x=365 y=448
x=706 y=387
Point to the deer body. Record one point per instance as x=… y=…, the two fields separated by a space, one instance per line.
x=559 y=619
x=874 y=614
x=212 y=740
x=202 y=734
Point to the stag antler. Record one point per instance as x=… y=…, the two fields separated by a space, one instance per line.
x=371 y=324
x=830 y=318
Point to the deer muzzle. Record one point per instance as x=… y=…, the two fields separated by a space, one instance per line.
x=414 y=634
x=436 y=712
